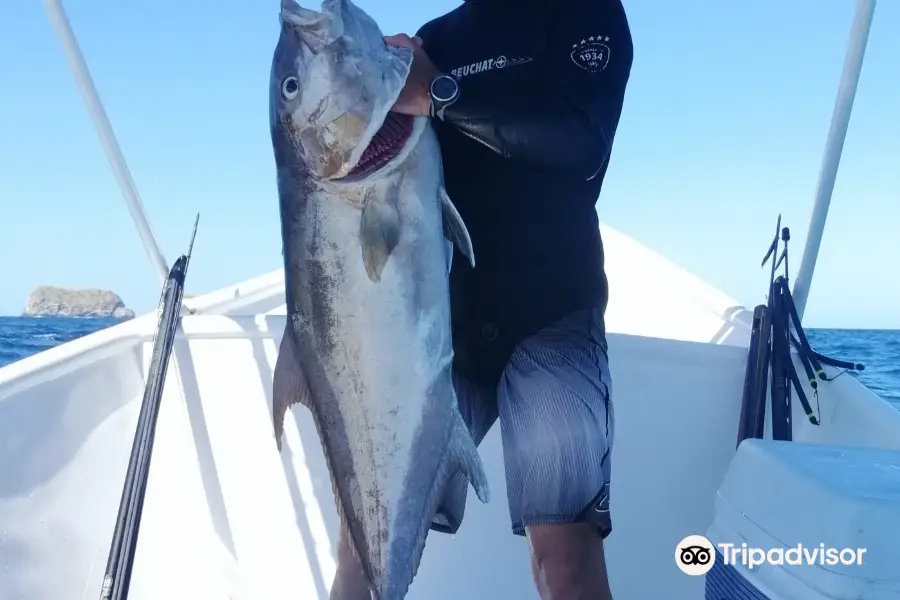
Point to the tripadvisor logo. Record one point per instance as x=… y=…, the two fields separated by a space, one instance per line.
x=696 y=555
x=793 y=556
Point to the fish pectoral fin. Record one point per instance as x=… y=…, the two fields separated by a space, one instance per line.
x=455 y=229
x=465 y=454
x=289 y=385
x=379 y=232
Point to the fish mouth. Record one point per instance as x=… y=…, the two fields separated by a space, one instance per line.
x=384 y=146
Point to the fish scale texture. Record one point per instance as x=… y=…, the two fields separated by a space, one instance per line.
x=724 y=582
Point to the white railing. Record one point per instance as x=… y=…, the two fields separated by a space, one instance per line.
x=840 y=120
x=85 y=84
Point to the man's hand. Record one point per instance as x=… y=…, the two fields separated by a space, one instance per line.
x=415 y=99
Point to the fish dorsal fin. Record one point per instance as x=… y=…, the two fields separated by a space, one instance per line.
x=454 y=228
x=379 y=232
x=289 y=384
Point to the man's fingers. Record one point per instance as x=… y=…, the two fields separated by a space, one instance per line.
x=401 y=40
x=417 y=41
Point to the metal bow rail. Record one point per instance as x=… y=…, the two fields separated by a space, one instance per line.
x=117 y=163
x=837 y=133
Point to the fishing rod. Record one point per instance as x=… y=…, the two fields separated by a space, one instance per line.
x=781 y=363
x=752 y=422
x=119 y=565
x=776 y=330
x=753 y=411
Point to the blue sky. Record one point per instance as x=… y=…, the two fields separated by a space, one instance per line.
x=723 y=128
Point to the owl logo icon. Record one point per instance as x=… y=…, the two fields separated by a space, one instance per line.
x=695 y=555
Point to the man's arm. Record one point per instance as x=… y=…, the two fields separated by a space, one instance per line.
x=565 y=119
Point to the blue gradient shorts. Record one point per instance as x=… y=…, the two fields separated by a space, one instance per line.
x=557 y=423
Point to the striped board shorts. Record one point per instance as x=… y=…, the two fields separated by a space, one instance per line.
x=557 y=424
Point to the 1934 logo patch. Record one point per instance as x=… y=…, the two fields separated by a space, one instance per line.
x=591 y=54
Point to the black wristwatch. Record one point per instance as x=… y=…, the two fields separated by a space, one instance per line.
x=444 y=91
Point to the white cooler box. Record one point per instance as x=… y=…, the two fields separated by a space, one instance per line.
x=778 y=495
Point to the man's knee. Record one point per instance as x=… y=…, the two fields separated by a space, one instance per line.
x=568 y=561
x=567 y=547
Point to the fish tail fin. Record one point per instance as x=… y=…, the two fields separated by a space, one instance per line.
x=289 y=385
x=466 y=456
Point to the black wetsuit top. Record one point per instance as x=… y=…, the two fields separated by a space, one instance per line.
x=525 y=149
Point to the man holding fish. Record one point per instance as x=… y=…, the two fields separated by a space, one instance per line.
x=525 y=99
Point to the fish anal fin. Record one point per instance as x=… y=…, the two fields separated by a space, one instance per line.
x=462 y=456
x=455 y=229
x=465 y=454
x=289 y=384
x=379 y=233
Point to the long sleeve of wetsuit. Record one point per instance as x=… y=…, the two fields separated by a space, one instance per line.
x=566 y=117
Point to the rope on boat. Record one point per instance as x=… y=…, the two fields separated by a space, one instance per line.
x=128 y=521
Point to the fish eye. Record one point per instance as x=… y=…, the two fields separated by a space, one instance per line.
x=290 y=87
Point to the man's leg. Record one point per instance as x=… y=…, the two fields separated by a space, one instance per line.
x=478 y=407
x=567 y=562
x=558 y=424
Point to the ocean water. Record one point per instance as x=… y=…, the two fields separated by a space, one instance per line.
x=878 y=350
x=24 y=336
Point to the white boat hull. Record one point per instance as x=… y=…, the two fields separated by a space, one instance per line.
x=227 y=518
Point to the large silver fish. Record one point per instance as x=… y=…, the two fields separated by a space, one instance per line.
x=365 y=227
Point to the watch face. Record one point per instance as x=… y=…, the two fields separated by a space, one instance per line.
x=443 y=89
